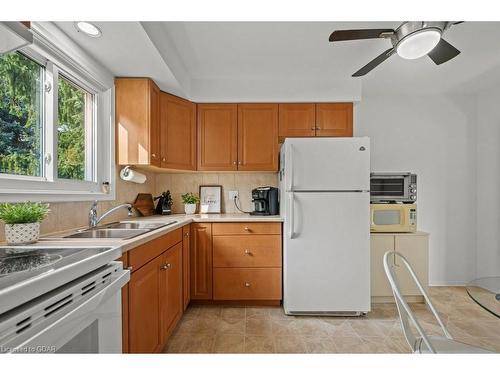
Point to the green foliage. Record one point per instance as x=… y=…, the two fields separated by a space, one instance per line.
x=21 y=120
x=22 y=213
x=190 y=198
x=71 y=132
x=20 y=115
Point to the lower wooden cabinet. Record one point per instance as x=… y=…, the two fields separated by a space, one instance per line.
x=154 y=295
x=186 y=272
x=144 y=308
x=201 y=261
x=246 y=284
x=415 y=248
x=171 y=296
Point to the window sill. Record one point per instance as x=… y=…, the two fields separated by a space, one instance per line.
x=8 y=195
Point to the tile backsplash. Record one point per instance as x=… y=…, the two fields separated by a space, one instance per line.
x=180 y=183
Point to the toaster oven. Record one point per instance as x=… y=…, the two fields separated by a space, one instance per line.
x=393 y=187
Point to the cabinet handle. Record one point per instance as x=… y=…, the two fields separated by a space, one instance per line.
x=186 y=235
x=168 y=265
x=247 y=285
x=239 y=163
x=164 y=159
x=163 y=267
x=234 y=162
x=313 y=128
x=248 y=252
x=153 y=156
x=247 y=229
x=317 y=129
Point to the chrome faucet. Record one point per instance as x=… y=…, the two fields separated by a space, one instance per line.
x=94 y=220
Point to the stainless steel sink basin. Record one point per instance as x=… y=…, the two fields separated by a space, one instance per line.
x=123 y=234
x=138 y=225
x=122 y=230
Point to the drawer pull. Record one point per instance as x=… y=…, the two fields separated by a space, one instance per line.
x=247 y=229
x=247 y=285
x=163 y=267
x=248 y=252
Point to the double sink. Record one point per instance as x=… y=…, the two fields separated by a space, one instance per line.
x=121 y=230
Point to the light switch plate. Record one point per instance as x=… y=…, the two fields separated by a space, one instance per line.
x=233 y=194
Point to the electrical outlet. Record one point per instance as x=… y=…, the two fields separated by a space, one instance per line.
x=233 y=194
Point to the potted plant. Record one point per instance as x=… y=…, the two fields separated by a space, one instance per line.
x=190 y=200
x=22 y=221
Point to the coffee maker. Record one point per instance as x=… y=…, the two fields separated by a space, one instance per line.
x=265 y=200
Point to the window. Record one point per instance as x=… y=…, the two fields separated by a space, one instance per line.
x=56 y=123
x=75 y=130
x=21 y=115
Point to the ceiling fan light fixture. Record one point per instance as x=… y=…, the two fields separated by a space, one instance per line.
x=418 y=43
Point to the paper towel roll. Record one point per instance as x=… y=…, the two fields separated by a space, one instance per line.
x=127 y=174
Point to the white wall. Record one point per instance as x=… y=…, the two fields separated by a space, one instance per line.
x=488 y=184
x=433 y=136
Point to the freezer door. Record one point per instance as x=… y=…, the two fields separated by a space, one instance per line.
x=326 y=164
x=326 y=263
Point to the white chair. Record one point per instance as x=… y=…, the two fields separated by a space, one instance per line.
x=421 y=343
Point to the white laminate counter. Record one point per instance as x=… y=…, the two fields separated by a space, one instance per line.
x=181 y=220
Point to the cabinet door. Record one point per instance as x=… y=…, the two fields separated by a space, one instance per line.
x=154 y=123
x=186 y=249
x=178 y=133
x=201 y=261
x=144 y=308
x=297 y=120
x=257 y=137
x=334 y=120
x=415 y=249
x=136 y=115
x=170 y=289
x=379 y=245
x=217 y=137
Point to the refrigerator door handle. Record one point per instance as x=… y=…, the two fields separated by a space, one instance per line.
x=290 y=167
x=291 y=233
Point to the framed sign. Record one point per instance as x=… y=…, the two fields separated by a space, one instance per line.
x=210 y=199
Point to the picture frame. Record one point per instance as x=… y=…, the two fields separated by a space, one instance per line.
x=210 y=199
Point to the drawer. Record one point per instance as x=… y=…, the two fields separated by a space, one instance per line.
x=140 y=255
x=247 y=284
x=247 y=251
x=223 y=229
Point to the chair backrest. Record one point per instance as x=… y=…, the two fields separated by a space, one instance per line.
x=393 y=259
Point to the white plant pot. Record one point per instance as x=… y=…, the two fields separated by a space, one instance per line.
x=22 y=234
x=189 y=208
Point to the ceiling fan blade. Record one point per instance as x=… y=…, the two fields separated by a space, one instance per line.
x=374 y=63
x=340 y=35
x=443 y=52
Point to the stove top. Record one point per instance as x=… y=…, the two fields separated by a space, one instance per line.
x=27 y=272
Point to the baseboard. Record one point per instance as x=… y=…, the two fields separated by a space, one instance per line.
x=390 y=299
x=447 y=283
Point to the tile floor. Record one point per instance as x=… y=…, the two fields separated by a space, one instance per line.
x=215 y=329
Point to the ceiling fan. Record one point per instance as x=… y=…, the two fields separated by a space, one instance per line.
x=410 y=40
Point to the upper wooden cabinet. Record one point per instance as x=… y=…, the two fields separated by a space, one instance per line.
x=217 y=137
x=297 y=120
x=320 y=120
x=137 y=121
x=238 y=137
x=334 y=120
x=258 y=137
x=178 y=133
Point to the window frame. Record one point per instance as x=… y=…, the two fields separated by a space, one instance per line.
x=48 y=187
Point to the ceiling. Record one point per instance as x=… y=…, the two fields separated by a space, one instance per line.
x=187 y=58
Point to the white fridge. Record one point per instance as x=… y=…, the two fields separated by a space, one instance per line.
x=325 y=203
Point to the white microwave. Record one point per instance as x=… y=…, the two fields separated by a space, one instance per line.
x=393 y=217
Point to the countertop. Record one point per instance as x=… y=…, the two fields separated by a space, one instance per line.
x=181 y=220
